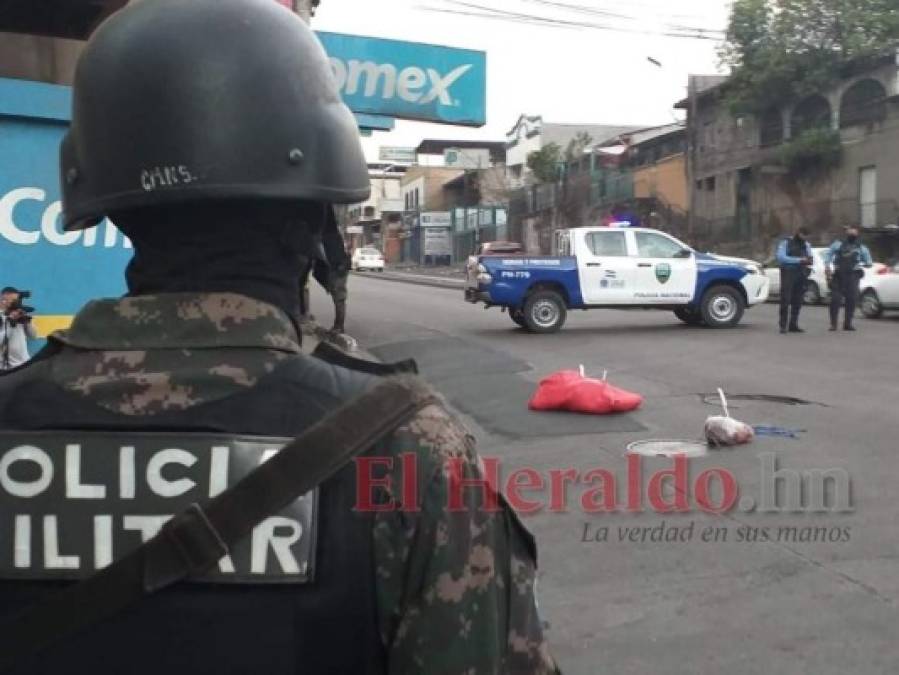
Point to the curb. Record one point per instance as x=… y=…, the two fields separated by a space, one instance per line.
x=435 y=282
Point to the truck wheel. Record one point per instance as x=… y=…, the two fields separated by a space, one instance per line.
x=722 y=307
x=518 y=317
x=871 y=306
x=690 y=317
x=544 y=312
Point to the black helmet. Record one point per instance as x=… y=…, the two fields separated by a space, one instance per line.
x=186 y=100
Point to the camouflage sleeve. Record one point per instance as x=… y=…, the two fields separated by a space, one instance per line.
x=455 y=587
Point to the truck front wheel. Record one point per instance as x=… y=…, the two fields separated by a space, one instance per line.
x=722 y=307
x=690 y=317
x=544 y=312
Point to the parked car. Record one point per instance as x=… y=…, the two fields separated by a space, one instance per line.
x=817 y=289
x=500 y=248
x=880 y=291
x=368 y=259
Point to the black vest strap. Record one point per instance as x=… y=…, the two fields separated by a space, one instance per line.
x=194 y=541
x=336 y=357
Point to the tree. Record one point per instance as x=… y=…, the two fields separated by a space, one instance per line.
x=577 y=145
x=544 y=163
x=783 y=49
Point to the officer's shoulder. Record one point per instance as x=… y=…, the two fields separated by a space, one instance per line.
x=433 y=431
x=333 y=381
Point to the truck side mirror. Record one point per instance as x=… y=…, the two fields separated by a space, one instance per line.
x=683 y=253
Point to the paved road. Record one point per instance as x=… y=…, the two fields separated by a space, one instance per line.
x=791 y=604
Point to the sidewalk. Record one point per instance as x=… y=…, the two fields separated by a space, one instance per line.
x=445 y=276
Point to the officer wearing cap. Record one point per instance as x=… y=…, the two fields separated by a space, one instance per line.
x=212 y=133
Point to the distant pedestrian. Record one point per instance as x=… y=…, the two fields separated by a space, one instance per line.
x=795 y=257
x=845 y=262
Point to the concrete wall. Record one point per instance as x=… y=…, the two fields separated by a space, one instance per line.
x=722 y=145
x=523 y=140
x=43 y=59
x=429 y=180
x=665 y=180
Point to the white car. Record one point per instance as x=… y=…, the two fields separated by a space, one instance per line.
x=816 y=289
x=880 y=291
x=368 y=259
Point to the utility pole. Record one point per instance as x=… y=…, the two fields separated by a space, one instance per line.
x=692 y=142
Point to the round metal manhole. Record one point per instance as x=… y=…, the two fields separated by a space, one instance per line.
x=668 y=448
x=714 y=399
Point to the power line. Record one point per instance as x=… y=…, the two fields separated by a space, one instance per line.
x=595 y=11
x=482 y=11
x=582 y=24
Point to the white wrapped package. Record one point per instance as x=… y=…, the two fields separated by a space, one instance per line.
x=723 y=430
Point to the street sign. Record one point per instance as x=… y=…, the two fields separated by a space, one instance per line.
x=436 y=219
x=437 y=241
x=388 y=153
x=409 y=80
x=374 y=122
x=476 y=158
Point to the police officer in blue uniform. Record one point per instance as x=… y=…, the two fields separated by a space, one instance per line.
x=795 y=257
x=846 y=261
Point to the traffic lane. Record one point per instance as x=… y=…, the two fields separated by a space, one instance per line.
x=647 y=346
x=636 y=605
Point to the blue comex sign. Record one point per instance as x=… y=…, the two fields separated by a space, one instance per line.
x=62 y=269
x=409 y=80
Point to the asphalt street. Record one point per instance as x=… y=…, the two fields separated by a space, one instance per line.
x=786 y=591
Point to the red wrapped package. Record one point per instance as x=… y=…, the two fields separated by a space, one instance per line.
x=569 y=390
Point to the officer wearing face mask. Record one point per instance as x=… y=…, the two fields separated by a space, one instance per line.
x=846 y=261
x=212 y=133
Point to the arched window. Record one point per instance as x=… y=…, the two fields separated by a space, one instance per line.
x=811 y=113
x=864 y=102
x=772 y=127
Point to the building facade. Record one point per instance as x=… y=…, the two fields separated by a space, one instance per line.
x=748 y=185
x=531 y=134
x=372 y=221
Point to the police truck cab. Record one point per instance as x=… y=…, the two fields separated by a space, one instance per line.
x=602 y=267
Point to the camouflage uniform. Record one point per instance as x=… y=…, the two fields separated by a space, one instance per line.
x=455 y=590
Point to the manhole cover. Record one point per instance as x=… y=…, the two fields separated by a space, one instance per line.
x=714 y=399
x=668 y=448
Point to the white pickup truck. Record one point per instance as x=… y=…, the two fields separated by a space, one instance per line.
x=601 y=267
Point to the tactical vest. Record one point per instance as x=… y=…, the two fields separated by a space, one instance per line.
x=848 y=258
x=321 y=621
x=796 y=248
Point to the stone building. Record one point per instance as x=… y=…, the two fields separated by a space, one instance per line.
x=744 y=191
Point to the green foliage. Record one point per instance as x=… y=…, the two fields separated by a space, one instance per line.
x=812 y=154
x=544 y=163
x=577 y=145
x=786 y=49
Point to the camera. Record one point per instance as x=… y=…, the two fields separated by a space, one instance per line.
x=17 y=306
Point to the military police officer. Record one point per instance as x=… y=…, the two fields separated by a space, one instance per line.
x=333 y=271
x=212 y=133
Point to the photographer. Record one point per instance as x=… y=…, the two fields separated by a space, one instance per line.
x=15 y=328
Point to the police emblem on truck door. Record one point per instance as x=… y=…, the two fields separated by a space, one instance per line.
x=663 y=272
